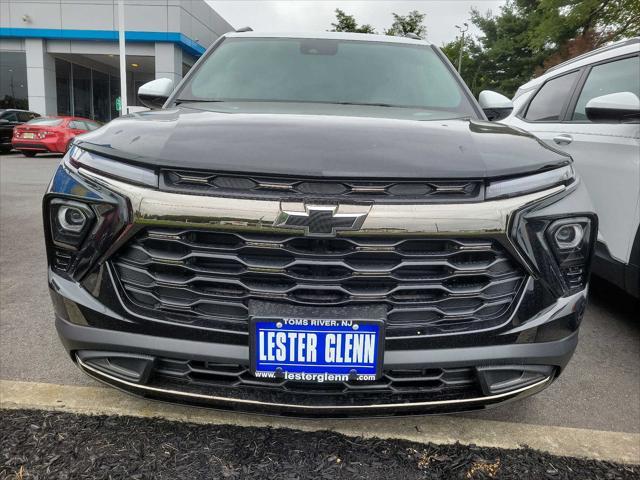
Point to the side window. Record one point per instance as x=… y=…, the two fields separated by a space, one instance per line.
x=77 y=125
x=24 y=116
x=613 y=77
x=547 y=105
x=11 y=116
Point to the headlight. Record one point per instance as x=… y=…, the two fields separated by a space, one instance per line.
x=70 y=222
x=80 y=158
x=570 y=240
x=569 y=236
x=71 y=219
x=530 y=183
x=82 y=220
x=559 y=247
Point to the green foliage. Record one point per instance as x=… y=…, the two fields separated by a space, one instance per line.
x=560 y=21
x=473 y=63
x=409 y=23
x=347 y=23
x=566 y=28
x=402 y=24
x=506 y=53
x=529 y=36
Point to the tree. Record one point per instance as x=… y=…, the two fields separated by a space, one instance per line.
x=473 y=63
x=567 y=28
x=607 y=20
x=402 y=24
x=507 y=57
x=409 y=23
x=529 y=36
x=347 y=23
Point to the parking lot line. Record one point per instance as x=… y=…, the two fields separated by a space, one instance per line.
x=577 y=442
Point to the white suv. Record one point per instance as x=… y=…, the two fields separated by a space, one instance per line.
x=588 y=107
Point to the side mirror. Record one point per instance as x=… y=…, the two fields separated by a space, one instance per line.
x=614 y=108
x=153 y=94
x=495 y=105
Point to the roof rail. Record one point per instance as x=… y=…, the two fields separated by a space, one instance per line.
x=412 y=35
x=606 y=48
x=244 y=29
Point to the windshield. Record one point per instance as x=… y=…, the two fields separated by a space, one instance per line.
x=328 y=71
x=50 y=122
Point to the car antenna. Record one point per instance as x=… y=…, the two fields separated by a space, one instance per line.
x=244 y=29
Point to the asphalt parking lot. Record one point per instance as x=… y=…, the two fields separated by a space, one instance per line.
x=600 y=389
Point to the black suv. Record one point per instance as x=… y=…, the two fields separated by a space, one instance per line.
x=321 y=225
x=9 y=118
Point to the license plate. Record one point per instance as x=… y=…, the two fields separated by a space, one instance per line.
x=316 y=350
x=28 y=135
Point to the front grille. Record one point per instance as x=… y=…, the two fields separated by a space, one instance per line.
x=208 y=183
x=395 y=386
x=420 y=286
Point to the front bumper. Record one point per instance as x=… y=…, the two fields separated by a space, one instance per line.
x=165 y=393
x=544 y=358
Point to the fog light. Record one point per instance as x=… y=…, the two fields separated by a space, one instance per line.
x=71 y=219
x=571 y=242
x=569 y=236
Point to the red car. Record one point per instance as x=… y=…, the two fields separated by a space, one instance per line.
x=49 y=134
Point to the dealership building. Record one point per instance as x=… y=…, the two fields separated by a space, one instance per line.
x=61 y=56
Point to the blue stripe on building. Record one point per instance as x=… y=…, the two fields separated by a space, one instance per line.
x=189 y=45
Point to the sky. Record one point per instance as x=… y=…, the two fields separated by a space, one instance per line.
x=317 y=15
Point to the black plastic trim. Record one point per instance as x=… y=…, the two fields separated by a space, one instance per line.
x=78 y=337
x=625 y=276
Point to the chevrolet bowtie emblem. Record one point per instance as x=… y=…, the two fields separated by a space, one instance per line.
x=322 y=221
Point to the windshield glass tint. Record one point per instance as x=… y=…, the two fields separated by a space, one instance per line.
x=327 y=71
x=51 y=122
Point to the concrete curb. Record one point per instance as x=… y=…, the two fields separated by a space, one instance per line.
x=576 y=442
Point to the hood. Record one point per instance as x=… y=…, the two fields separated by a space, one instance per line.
x=336 y=141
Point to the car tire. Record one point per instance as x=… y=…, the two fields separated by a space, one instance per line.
x=29 y=153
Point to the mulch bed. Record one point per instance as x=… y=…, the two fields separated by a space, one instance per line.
x=51 y=445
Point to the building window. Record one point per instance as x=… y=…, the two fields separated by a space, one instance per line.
x=100 y=92
x=13 y=80
x=82 y=91
x=114 y=92
x=90 y=93
x=63 y=87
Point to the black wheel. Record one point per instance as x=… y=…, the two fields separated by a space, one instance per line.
x=29 y=153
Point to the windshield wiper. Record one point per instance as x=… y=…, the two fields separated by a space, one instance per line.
x=178 y=101
x=368 y=104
